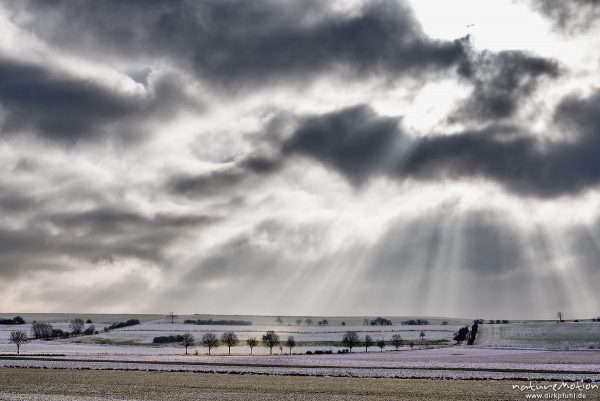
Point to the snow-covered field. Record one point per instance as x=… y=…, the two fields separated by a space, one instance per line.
x=145 y=332
x=533 y=350
x=544 y=335
x=455 y=362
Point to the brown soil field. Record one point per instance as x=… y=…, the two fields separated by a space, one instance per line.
x=94 y=385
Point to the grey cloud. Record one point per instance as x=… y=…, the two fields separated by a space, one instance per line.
x=572 y=16
x=234 y=44
x=207 y=184
x=215 y=182
x=95 y=235
x=501 y=83
x=360 y=144
x=67 y=109
x=354 y=141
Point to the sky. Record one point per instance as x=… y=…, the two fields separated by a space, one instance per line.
x=301 y=157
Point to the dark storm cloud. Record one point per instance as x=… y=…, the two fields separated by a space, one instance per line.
x=67 y=109
x=361 y=144
x=95 y=235
x=502 y=82
x=570 y=16
x=234 y=43
x=354 y=141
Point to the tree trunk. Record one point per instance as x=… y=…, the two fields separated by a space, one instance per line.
x=186 y=350
x=230 y=350
x=18 y=349
x=271 y=351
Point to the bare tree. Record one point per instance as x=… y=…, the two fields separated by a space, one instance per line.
x=559 y=315
x=18 y=338
x=210 y=341
x=230 y=339
x=381 y=344
x=187 y=340
x=397 y=341
x=308 y=322
x=252 y=342
x=351 y=339
x=298 y=322
x=41 y=330
x=172 y=315
x=76 y=326
x=279 y=320
x=368 y=342
x=270 y=340
x=291 y=343
x=422 y=335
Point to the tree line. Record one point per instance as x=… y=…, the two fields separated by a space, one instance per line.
x=230 y=339
x=271 y=340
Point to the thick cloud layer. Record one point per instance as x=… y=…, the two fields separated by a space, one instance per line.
x=502 y=84
x=235 y=44
x=515 y=159
x=63 y=108
x=569 y=16
x=363 y=145
x=310 y=157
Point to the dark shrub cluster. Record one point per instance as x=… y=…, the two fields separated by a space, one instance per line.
x=380 y=322
x=14 y=320
x=119 y=325
x=91 y=329
x=416 y=322
x=461 y=335
x=168 y=339
x=473 y=335
x=319 y=352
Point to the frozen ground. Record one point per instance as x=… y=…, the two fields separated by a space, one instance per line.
x=96 y=385
x=534 y=350
x=144 y=333
x=452 y=362
x=545 y=335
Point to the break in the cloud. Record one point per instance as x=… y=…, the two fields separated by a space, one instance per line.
x=296 y=157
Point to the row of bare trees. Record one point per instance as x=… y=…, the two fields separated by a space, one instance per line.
x=351 y=339
x=270 y=339
x=230 y=339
